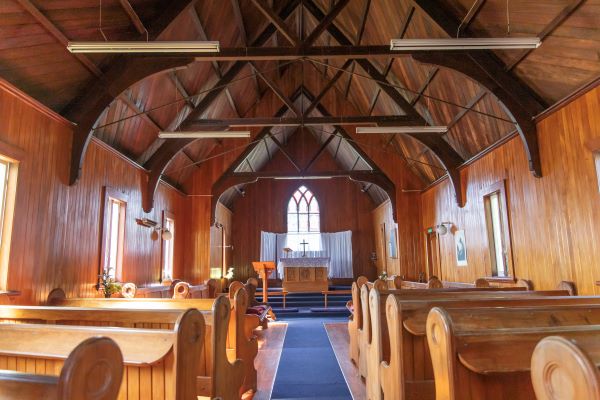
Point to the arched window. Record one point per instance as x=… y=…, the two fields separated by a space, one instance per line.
x=303 y=221
x=303 y=212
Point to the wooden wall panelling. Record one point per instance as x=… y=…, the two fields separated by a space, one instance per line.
x=55 y=240
x=554 y=219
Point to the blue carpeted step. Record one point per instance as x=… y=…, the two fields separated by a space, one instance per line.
x=285 y=310
x=329 y=309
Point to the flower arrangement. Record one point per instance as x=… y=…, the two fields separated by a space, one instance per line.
x=108 y=285
x=383 y=276
x=229 y=274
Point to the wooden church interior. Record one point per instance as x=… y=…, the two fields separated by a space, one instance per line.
x=307 y=260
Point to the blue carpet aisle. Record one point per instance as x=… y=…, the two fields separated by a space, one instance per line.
x=308 y=368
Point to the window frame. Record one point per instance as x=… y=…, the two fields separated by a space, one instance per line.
x=164 y=243
x=596 y=155
x=109 y=193
x=13 y=156
x=505 y=228
x=308 y=213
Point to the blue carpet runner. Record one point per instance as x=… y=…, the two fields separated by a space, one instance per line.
x=308 y=368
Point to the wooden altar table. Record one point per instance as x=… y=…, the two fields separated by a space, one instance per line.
x=305 y=274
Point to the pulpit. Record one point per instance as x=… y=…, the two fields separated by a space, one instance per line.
x=305 y=274
x=264 y=269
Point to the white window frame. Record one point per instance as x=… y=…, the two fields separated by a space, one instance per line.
x=498 y=232
x=12 y=157
x=168 y=247
x=113 y=197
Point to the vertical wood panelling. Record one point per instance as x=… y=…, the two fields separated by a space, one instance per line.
x=383 y=215
x=554 y=220
x=55 y=240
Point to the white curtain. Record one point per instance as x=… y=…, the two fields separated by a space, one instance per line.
x=338 y=247
x=271 y=247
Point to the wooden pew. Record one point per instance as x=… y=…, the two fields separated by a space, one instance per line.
x=213 y=365
x=355 y=320
x=93 y=370
x=564 y=369
x=491 y=361
x=375 y=345
x=363 y=330
x=242 y=344
x=183 y=290
x=261 y=311
x=160 y=363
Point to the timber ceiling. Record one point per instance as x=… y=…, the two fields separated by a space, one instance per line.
x=33 y=57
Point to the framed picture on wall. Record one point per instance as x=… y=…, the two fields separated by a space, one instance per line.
x=460 y=246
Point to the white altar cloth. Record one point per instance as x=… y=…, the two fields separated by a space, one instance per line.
x=302 y=262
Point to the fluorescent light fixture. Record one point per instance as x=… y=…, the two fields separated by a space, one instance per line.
x=402 y=129
x=466 y=43
x=286 y=178
x=143 y=47
x=204 y=135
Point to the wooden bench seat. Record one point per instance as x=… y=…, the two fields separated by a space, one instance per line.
x=261 y=311
x=93 y=369
x=494 y=363
x=376 y=344
x=159 y=363
x=240 y=342
x=418 y=294
x=334 y=292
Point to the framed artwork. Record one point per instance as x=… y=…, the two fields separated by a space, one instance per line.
x=460 y=246
x=393 y=243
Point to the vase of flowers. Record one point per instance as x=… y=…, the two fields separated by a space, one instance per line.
x=383 y=276
x=108 y=285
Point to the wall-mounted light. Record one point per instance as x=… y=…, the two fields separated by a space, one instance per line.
x=443 y=228
x=148 y=223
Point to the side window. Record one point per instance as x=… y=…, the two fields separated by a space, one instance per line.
x=498 y=231
x=113 y=233
x=8 y=190
x=168 y=245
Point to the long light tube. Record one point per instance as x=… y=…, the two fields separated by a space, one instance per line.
x=143 y=47
x=402 y=129
x=465 y=43
x=204 y=135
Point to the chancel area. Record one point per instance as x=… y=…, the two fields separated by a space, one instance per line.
x=300 y=199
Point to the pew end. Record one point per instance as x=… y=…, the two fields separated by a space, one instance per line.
x=561 y=369
x=93 y=370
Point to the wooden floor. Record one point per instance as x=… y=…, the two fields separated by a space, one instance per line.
x=338 y=336
x=270 y=345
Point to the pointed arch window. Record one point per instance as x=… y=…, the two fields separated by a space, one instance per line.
x=303 y=220
x=303 y=212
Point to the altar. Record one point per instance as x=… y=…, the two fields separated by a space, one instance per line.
x=305 y=274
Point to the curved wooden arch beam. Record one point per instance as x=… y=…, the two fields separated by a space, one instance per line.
x=121 y=73
x=127 y=72
x=483 y=66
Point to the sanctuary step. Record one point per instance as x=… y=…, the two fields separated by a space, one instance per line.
x=307 y=305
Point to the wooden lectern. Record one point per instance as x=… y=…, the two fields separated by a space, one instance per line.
x=264 y=269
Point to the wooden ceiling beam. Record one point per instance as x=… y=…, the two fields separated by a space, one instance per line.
x=379 y=120
x=323 y=147
x=239 y=19
x=275 y=88
x=471 y=14
x=135 y=19
x=120 y=73
x=277 y=21
x=164 y=150
x=325 y=22
x=517 y=99
x=215 y=64
x=58 y=35
x=548 y=29
x=284 y=151
x=328 y=87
